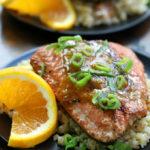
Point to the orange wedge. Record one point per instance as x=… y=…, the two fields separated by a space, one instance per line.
x=33 y=103
x=56 y=14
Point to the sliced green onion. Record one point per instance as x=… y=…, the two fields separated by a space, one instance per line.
x=121 y=146
x=111 y=102
x=103 y=47
x=120 y=81
x=66 y=38
x=111 y=84
x=103 y=103
x=125 y=64
x=80 y=78
x=52 y=46
x=58 y=50
x=67 y=139
x=42 y=70
x=95 y=98
x=71 y=142
x=77 y=60
x=87 y=50
x=82 y=82
x=102 y=67
x=106 y=102
x=102 y=73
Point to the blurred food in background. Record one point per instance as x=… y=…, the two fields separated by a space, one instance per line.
x=64 y=14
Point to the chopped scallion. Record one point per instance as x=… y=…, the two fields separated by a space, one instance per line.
x=103 y=47
x=111 y=84
x=87 y=50
x=95 y=98
x=106 y=101
x=102 y=73
x=66 y=38
x=120 y=81
x=80 y=78
x=125 y=64
x=111 y=102
x=121 y=146
x=70 y=141
x=42 y=70
x=52 y=46
x=102 y=67
x=77 y=60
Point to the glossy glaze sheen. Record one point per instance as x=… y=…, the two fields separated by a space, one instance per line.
x=102 y=125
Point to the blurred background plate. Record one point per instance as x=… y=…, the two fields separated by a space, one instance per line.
x=98 y=30
x=49 y=144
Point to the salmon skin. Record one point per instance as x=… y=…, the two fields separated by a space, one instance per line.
x=102 y=125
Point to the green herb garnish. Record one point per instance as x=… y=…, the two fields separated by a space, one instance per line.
x=67 y=38
x=111 y=102
x=42 y=70
x=102 y=73
x=120 y=81
x=71 y=142
x=125 y=64
x=87 y=50
x=103 y=47
x=77 y=60
x=62 y=43
x=111 y=84
x=105 y=101
x=80 y=78
x=102 y=67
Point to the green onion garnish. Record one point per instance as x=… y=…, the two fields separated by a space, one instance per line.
x=61 y=44
x=67 y=138
x=66 y=38
x=52 y=46
x=80 y=78
x=120 y=81
x=95 y=98
x=87 y=50
x=102 y=67
x=58 y=50
x=105 y=101
x=121 y=146
x=42 y=70
x=102 y=73
x=111 y=102
x=77 y=60
x=70 y=141
x=111 y=84
x=103 y=47
x=125 y=64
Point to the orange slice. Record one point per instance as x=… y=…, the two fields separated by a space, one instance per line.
x=33 y=103
x=56 y=14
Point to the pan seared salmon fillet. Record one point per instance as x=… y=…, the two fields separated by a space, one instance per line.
x=102 y=125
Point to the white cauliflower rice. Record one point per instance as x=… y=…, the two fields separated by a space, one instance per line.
x=96 y=12
x=136 y=136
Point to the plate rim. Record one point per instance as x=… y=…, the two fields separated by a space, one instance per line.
x=120 y=28
x=25 y=54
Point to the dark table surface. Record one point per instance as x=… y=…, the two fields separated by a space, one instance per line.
x=17 y=38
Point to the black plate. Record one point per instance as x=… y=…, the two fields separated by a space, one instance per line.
x=49 y=144
x=98 y=30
